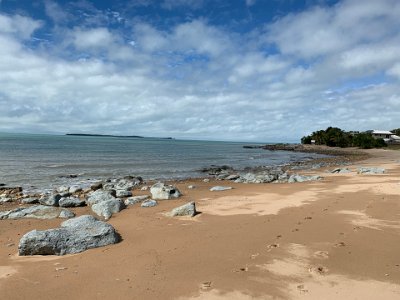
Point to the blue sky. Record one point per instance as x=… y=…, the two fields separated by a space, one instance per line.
x=246 y=70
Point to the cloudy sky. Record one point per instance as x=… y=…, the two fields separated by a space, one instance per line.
x=245 y=70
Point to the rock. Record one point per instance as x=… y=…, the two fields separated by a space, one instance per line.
x=66 y=214
x=160 y=191
x=74 y=236
x=4 y=199
x=30 y=200
x=149 y=203
x=107 y=208
x=135 y=199
x=71 y=202
x=188 y=209
x=128 y=183
x=302 y=178
x=144 y=188
x=220 y=188
x=100 y=196
x=371 y=170
x=206 y=180
x=34 y=212
x=217 y=170
x=232 y=177
x=96 y=186
x=11 y=190
x=63 y=189
x=257 y=178
x=341 y=170
x=123 y=193
x=109 y=186
x=75 y=189
x=191 y=187
x=50 y=199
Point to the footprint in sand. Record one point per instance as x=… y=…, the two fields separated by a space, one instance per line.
x=319 y=270
x=272 y=246
x=302 y=289
x=206 y=285
x=295 y=230
x=308 y=218
x=340 y=244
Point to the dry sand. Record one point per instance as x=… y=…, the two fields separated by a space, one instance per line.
x=334 y=239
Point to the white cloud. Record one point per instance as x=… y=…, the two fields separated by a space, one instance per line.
x=92 y=38
x=197 y=80
x=19 y=26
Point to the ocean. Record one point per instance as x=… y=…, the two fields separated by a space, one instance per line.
x=44 y=161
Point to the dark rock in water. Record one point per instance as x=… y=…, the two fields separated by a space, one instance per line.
x=2 y=184
x=107 y=208
x=69 y=176
x=71 y=202
x=35 y=212
x=188 y=209
x=75 y=235
x=216 y=170
x=149 y=203
x=160 y=191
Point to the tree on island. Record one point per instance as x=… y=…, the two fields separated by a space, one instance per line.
x=336 y=137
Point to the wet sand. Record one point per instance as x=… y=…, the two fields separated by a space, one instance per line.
x=333 y=239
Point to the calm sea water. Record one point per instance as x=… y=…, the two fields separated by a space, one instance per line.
x=43 y=160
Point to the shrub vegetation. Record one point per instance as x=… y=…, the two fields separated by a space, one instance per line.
x=336 y=137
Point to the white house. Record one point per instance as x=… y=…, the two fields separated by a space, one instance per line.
x=387 y=136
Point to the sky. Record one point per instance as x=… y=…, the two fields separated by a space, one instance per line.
x=239 y=70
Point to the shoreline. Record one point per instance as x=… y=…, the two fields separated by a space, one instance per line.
x=310 y=240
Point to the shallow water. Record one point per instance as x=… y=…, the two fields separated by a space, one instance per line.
x=43 y=160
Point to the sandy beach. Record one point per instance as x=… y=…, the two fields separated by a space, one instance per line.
x=331 y=239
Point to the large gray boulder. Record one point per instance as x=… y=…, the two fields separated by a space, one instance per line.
x=107 y=208
x=71 y=202
x=75 y=235
x=160 y=191
x=371 y=170
x=36 y=212
x=149 y=203
x=188 y=209
x=100 y=196
x=50 y=199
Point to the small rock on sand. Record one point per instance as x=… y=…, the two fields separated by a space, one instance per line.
x=220 y=188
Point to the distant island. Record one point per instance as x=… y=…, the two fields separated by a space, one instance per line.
x=116 y=136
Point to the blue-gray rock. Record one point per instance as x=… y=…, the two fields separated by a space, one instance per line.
x=341 y=170
x=66 y=214
x=220 y=188
x=123 y=193
x=149 y=203
x=232 y=177
x=50 y=199
x=96 y=186
x=371 y=170
x=74 y=236
x=34 y=212
x=30 y=200
x=188 y=209
x=128 y=183
x=160 y=191
x=100 y=196
x=135 y=199
x=303 y=178
x=71 y=202
x=107 y=208
x=75 y=189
